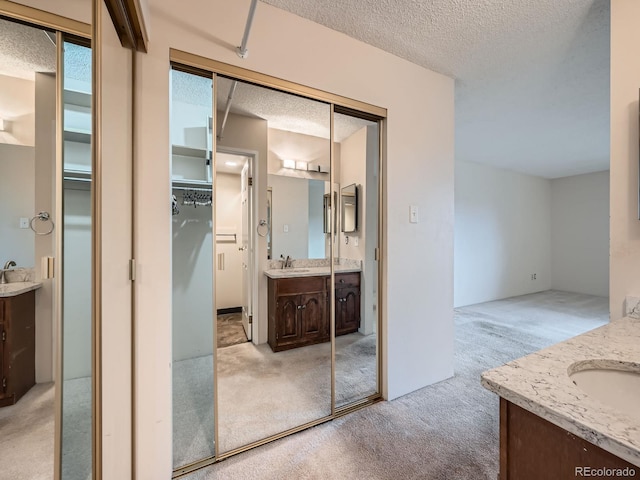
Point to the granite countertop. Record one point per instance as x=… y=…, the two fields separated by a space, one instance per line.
x=540 y=383
x=308 y=271
x=16 y=288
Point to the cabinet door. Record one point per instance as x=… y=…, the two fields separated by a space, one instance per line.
x=312 y=316
x=3 y=374
x=287 y=324
x=347 y=310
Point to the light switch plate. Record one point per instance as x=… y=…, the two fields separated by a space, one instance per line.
x=285 y=229
x=413 y=213
x=24 y=222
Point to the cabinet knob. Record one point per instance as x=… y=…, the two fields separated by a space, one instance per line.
x=342 y=280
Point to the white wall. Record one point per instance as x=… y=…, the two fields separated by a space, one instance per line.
x=76 y=312
x=316 y=219
x=580 y=234
x=417 y=345
x=229 y=220
x=502 y=234
x=624 y=224
x=45 y=190
x=17 y=199
x=192 y=302
x=17 y=105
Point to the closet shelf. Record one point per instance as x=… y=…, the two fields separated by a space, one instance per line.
x=190 y=185
x=76 y=135
x=185 y=151
x=76 y=97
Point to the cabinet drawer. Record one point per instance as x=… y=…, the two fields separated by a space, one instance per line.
x=348 y=279
x=299 y=285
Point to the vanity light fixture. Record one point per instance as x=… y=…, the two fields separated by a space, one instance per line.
x=288 y=163
x=301 y=165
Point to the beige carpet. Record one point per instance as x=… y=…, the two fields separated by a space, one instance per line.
x=445 y=431
x=262 y=393
x=27 y=434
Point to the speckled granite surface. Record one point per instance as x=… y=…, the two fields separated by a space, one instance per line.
x=540 y=383
x=16 y=288
x=310 y=268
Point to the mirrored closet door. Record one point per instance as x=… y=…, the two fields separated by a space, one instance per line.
x=275 y=210
x=45 y=277
x=357 y=146
x=192 y=246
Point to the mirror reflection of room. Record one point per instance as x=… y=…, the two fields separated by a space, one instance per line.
x=260 y=392
x=264 y=247
x=29 y=231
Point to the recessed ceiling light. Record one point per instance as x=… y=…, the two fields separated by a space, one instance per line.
x=231 y=164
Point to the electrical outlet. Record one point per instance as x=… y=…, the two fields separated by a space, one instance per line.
x=355 y=241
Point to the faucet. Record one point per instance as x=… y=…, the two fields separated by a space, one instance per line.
x=7 y=266
x=287 y=263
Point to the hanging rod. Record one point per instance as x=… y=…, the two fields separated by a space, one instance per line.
x=232 y=91
x=242 y=49
x=191 y=189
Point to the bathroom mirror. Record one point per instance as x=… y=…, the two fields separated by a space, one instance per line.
x=298 y=218
x=349 y=210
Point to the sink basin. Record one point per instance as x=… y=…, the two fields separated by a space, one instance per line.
x=296 y=270
x=617 y=386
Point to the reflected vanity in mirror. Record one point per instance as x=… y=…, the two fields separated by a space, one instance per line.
x=349 y=208
x=276 y=247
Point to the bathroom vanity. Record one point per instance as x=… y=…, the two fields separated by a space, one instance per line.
x=551 y=424
x=299 y=306
x=17 y=340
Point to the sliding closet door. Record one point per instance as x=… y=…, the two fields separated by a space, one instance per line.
x=357 y=146
x=191 y=207
x=281 y=379
x=77 y=329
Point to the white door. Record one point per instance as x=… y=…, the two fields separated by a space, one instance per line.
x=245 y=236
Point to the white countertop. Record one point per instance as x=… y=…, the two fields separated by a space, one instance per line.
x=308 y=271
x=540 y=383
x=16 y=288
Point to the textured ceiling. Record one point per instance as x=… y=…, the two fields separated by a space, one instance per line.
x=532 y=77
x=24 y=51
x=282 y=111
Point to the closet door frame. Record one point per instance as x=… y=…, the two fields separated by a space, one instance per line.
x=188 y=62
x=81 y=32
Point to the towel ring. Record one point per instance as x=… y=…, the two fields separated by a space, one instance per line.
x=42 y=216
x=263 y=223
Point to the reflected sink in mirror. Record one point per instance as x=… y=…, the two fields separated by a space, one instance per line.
x=616 y=385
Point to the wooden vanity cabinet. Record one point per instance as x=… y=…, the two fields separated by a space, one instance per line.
x=17 y=346
x=347 y=303
x=299 y=309
x=532 y=448
x=297 y=312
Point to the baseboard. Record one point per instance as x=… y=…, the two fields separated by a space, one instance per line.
x=222 y=311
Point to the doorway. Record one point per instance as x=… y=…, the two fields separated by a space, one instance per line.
x=234 y=246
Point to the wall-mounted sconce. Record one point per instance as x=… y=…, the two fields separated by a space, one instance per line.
x=301 y=166
x=288 y=163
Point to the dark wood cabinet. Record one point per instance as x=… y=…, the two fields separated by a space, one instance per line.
x=299 y=309
x=297 y=312
x=17 y=346
x=347 y=303
x=532 y=448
